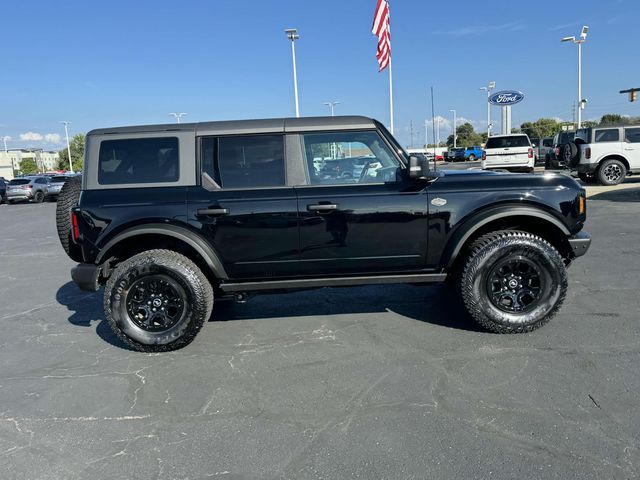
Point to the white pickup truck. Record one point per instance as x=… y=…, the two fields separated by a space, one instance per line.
x=605 y=155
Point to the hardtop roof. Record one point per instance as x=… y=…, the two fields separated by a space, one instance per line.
x=229 y=127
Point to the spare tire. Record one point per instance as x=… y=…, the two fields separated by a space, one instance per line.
x=570 y=154
x=67 y=199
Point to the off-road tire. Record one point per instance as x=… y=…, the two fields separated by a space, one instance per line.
x=198 y=301
x=570 y=154
x=491 y=249
x=604 y=176
x=67 y=199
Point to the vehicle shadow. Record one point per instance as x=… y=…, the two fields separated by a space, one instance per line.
x=625 y=195
x=86 y=308
x=430 y=304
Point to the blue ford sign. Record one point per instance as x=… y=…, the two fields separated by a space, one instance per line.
x=506 y=97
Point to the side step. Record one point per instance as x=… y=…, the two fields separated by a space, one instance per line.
x=332 y=282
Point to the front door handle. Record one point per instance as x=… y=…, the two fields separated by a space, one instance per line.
x=213 y=212
x=323 y=207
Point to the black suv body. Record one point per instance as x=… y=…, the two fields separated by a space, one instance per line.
x=176 y=215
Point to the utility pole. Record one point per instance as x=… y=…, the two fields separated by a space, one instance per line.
x=66 y=133
x=5 y=139
x=411 y=130
x=292 y=34
x=426 y=135
x=573 y=111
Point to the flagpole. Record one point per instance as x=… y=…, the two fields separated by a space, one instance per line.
x=391 y=95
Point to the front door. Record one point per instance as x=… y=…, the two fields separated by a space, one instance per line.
x=244 y=208
x=359 y=212
x=632 y=146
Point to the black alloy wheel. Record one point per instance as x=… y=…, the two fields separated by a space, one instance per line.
x=514 y=285
x=155 y=303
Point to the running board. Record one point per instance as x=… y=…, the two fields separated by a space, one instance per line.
x=332 y=282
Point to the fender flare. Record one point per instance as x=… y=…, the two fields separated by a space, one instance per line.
x=483 y=217
x=192 y=239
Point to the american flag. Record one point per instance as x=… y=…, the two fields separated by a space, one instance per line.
x=382 y=31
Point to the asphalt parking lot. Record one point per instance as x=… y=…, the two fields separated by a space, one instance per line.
x=369 y=382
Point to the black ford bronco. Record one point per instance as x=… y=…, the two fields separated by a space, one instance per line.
x=170 y=217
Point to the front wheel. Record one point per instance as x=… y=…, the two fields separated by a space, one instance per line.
x=513 y=282
x=157 y=301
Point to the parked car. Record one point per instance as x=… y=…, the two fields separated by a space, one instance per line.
x=456 y=155
x=554 y=161
x=473 y=153
x=166 y=230
x=511 y=152
x=3 y=190
x=33 y=189
x=55 y=184
x=605 y=155
x=542 y=149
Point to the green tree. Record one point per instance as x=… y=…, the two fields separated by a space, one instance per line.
x=613 y=119
x=589 y=123
x=28 y=166
x=543 y=127
x=77 y=154
x=467 y=137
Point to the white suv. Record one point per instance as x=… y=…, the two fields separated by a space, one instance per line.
x=511 y=152
x=605 y=154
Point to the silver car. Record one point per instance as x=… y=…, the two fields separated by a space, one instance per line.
x=33 y=189
x=55 y=185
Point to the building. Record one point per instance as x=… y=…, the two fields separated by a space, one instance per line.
x=46 y=160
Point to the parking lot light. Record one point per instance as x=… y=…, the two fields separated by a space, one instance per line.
x=489 y=88
x=332 y=106
x=178 y=116
x=455 y=133
x=583 y=38
x=292 y=34
x=66 y=133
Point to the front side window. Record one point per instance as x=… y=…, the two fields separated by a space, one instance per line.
x=348 y=157
x=610 y=135
x=632 y=135
x=244 y=161
x=138 y=160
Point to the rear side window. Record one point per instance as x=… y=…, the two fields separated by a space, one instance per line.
x=138 y=160
x=611 y=135
x=19 y=181
x=58 y=179
x=246 y=161
x=632 y=135
x=508 y=142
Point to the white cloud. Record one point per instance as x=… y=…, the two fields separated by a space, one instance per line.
x=31 y=137
x=53 y=138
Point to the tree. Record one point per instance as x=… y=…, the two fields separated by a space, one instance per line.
x=28 y=166
x=467 y=137
x=77 y=154
x=613 y=119
x=543 y=127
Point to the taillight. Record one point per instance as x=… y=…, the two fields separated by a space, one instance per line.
x=484 y=155
x=28 y=186
x=530 y=153
x=75 y=231
x=587 y=152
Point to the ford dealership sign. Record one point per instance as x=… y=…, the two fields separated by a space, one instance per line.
x=506 y=97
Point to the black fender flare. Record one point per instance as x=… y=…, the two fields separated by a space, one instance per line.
x=195 y=241
x=483 y=217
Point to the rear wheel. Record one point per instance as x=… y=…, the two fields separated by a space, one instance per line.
x=67 y=199
x=157 y=301
x=513 y=282
x=472 y=158
x=611 y=172
x=38 y=197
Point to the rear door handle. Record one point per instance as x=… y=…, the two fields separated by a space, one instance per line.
x=324 y=207
x=213 y=212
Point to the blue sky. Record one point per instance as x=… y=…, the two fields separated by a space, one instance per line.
x=122 y=62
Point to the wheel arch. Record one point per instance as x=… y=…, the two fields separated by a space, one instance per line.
x=615 y=156
x=506 y=217
x=152 y=236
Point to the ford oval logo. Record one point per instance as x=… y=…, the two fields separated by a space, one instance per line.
x=506 y=97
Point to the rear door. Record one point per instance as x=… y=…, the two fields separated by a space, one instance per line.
x=375 y=221
x=243 y=206
x=632 y=146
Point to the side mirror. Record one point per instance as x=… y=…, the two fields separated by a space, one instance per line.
x=418 y=167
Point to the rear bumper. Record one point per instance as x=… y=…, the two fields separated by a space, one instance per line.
x=86 y=276
x=580 y=243
x=586 y=168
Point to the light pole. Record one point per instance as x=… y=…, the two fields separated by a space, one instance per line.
x=455 y=133
x=583 y=38
x=489 y=88
x=5 y=139
x=292 y=34
x=177 y=115
x=66 y=134
x=332 y=106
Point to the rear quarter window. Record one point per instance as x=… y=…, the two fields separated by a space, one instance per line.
x=609 y=135
x=138 y=160
x=19 y=181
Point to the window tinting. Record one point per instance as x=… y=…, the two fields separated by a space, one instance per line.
x=547 y=142
x=348 y=157
x=611 y=135
x=245 y=161
x=632 y=135
x=508 y=142
x=19 y=181
x=58 y=179
x=138 y=160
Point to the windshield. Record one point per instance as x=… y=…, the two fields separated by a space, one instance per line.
x=508 y=142
x=19 y=181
